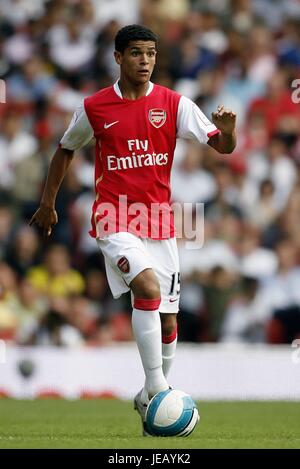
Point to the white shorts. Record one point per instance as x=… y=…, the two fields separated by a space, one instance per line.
x=126 y=256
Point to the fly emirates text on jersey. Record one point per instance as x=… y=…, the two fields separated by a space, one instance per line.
x=136 y=160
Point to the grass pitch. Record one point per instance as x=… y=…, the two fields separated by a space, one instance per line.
x=114 y=424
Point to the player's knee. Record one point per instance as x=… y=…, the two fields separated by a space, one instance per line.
x=149 y=291
x=146 y=286
x=168 y=325
x=148 y=298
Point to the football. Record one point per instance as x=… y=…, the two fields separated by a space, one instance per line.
x=171 y=413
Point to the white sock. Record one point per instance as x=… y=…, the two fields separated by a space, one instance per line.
x=146 y=327
x=168 y=355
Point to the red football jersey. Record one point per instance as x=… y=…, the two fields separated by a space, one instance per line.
x=135 y=143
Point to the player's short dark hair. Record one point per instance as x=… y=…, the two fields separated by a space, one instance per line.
x=133 y=32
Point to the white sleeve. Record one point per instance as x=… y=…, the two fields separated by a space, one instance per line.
x=79 y=132
x=192 y=123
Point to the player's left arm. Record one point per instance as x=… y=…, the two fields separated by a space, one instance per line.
x=225 y=140
x=193 y=124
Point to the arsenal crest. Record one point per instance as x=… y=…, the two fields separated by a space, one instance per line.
x=123 y=265
x=157 y=117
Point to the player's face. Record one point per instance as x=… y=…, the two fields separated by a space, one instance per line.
x=137 y=61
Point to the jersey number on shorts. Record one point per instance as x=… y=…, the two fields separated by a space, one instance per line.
x=175 y=284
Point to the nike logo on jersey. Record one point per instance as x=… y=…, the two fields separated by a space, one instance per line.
x=172 y=300
x=106 y=126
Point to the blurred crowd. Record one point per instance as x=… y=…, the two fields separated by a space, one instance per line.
x=243 y=284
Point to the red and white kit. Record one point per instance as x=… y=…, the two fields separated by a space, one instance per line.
x=135 y=143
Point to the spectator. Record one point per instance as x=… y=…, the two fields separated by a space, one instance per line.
x=16 y=144
x=55 y=277
x=8 y=317
x=29 y=308
x=255 y=260
x=24 y=251
x=242 y=321
x=266 y=209
x=6 y=227
x=218 y=291
x=33 y=83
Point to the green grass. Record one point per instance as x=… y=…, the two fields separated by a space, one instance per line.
x=114 y=424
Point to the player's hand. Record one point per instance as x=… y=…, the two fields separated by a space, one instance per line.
x=224 y=120
x=45 y=218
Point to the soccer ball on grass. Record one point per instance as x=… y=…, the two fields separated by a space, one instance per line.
x=171 y=413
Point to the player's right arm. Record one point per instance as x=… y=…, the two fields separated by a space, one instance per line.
x=78 y=134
